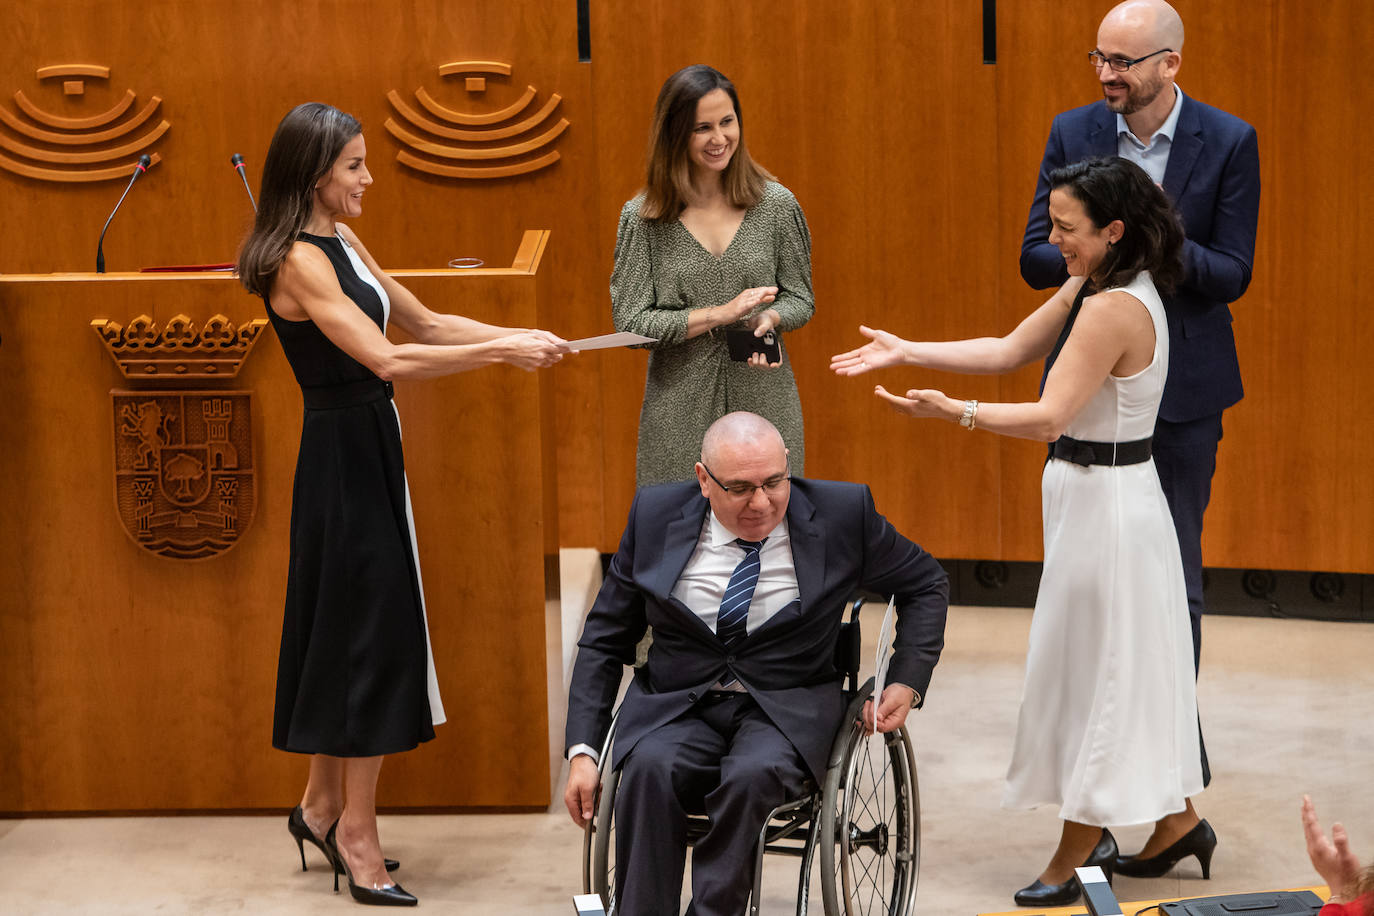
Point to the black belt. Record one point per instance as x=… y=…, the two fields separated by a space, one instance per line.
x=1111 y=454
x=348 y=394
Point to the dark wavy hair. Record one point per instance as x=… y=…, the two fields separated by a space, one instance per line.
x=670 y=172
x=1112 y=188
x=303 y=150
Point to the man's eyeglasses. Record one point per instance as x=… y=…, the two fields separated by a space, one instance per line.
x=746 y=490
x=1120 y=64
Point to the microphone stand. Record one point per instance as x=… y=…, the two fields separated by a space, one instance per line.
x=143 y=162
x=237 y=160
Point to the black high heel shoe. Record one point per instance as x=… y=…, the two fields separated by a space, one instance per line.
x=395 y=895
x=1201 y=841
x=301 y=831
x=1038 y=893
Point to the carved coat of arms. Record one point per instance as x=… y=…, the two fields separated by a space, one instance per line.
x=185 y=476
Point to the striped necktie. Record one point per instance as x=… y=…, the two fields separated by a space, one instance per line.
x=732 y=621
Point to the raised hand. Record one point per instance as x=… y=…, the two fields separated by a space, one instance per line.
x=883 y=350
x=1331 y=856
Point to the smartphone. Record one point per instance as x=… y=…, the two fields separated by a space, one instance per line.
x=742 y=343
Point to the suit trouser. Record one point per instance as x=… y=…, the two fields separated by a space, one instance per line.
x=1185 y=456
x=723 y=757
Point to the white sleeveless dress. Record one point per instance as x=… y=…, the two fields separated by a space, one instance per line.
x=1108 y=725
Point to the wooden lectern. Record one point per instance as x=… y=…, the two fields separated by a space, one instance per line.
x=151 y=425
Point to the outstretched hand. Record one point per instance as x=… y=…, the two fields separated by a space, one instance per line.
x=883 y=350
x=919 y=402
x=1331 y=856
x=892 y=709
x=534 y=349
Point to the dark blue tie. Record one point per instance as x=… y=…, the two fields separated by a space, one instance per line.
x=732 y=621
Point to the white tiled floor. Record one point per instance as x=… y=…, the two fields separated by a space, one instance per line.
x=1285 y=705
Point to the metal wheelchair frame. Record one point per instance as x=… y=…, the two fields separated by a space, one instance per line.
x=875 y=839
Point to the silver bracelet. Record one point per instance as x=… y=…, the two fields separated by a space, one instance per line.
x=969 y=419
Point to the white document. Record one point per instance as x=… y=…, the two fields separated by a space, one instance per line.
x=884 y=656
x=608 y=341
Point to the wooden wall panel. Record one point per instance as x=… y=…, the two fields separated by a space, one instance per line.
x=1296 y=485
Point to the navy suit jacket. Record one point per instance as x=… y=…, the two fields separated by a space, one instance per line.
x=840 y=544
x=1214 y=181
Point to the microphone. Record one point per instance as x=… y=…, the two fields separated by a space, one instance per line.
x=143 y=162
x=237 y=161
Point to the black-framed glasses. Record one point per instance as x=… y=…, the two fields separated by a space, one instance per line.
x=746 y=490
x=1120 y=64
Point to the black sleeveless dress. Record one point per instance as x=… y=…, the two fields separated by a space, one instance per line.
x=353 y=674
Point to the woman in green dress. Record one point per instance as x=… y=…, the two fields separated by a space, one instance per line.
x=711 y=245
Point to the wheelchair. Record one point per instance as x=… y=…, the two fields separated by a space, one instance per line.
x=865 y=819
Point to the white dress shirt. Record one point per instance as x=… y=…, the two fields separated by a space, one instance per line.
x=701 y=586
x=1154 y=157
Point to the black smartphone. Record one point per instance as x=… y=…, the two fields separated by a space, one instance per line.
x=742 y=344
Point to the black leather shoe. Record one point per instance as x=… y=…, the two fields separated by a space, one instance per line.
x=302 y=833
x=1038 y=893
x=392 y=895
x=1201 y=841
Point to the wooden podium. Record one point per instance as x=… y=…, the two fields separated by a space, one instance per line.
x=135 y=679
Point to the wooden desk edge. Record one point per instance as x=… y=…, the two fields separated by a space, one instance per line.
x=525 y=263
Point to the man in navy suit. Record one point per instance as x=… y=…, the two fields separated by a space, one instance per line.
x=743 y=574
x=1207 y=161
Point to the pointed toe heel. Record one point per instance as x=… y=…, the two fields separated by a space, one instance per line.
x=1199 y=842
x=392 y=895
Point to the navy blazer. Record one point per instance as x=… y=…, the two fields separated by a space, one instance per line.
x=1214 y=181
x=840 y=544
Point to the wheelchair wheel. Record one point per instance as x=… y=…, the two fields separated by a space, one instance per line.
x=870 y=826
x=599 y=844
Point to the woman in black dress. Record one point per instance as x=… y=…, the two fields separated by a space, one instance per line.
x=355 y=676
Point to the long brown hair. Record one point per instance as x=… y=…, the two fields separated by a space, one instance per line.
x=1111 y=188
x=303 y=150
x=670 y=175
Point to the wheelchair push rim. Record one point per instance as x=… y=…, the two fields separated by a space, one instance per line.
x=870 y=827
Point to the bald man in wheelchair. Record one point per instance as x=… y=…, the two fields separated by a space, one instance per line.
x=743 y=574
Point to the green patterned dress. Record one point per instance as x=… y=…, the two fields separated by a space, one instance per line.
x=661 y=273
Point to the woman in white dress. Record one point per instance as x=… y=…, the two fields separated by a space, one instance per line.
x=1108 y=722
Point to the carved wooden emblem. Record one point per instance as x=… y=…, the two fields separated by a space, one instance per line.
x=41 y=144
x=464 y=144
x=185 y=474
